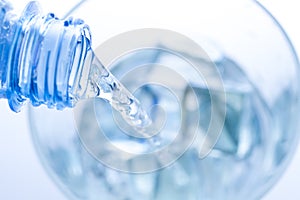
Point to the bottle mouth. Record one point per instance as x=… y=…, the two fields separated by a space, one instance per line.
x=48 y=57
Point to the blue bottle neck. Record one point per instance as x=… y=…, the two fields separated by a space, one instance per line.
x=42 y=58
x=7 y=21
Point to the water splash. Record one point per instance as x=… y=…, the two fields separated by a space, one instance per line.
x=105 y=86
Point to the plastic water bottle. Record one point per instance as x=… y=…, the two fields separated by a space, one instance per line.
x=38 y=57
x=50 y=61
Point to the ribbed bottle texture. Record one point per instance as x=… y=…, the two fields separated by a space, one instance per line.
x=41 y=57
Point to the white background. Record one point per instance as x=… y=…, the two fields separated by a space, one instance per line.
x=23 y=178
